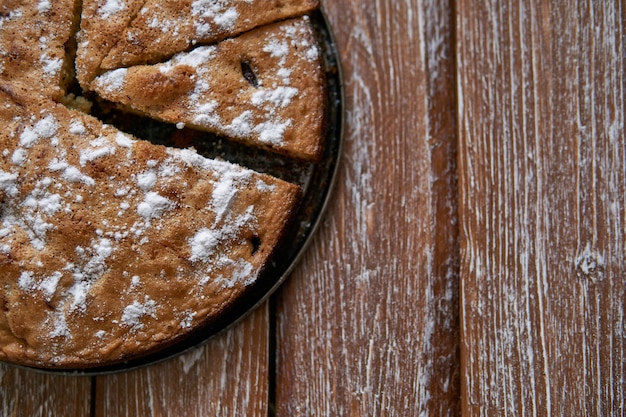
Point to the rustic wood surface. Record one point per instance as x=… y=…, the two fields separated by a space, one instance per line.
x=228 y=376
x=368 y=325
x=542 y=208
x=502 y=294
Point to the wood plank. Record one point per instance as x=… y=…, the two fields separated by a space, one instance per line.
x=367 y=324
x=542 y=203
x=226 y=376
x=29 y=393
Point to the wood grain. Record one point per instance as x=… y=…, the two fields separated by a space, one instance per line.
x=533 y=233
x=367 y=324
x=542 y=207
x=26 y=393
x=228 y=376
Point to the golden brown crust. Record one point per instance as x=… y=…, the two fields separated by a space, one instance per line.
x=164 y=28
x=33 y=39
x=264 y=88
x=110 y=247
x=100 y=27
x=113 y=248
x=121 y=33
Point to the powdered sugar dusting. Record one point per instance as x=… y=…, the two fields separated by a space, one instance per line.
x=202 y=245
x=97 y=213
x=19 y=156
x=49 y=285
x=8 y=183
x=87 y=273
x=265 y=106
x=195 y=59
x=123 y=140
x=146 y=180
x=154 y=206
x=58 y=322
x=112 y=80
x=43 y=6
x=278 y=97
x=45 y=128
x=77 y=127
x=209 y=15
x=111 y=7
x=51 y=66
x=99 y=148
x=134 y=313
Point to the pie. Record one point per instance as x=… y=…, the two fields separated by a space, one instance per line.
x=113 y=247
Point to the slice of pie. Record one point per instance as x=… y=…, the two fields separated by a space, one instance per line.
x=121 y=33
x=163 y=28
x=111 y=248
x=264 y=88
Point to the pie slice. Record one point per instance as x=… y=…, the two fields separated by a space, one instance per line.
x=34 y=35
x=111 y=247
x=163 y=28
x=264 y=88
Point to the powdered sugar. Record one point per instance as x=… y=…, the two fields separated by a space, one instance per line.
x=99 y=148
x=111 y=7
x=70 y=173
x=35 y=208
x=134 y=312
x=8 y=183
x=227 y=19
x=202 y=245
x=26 y=281
x=194 y=58
x=207 y=14
x=112 y=81
x=48 y=285
x=146 y=180
x=87 y=273
x=224 y=193
x=43 y=202
x=43 y=6
x=277 y=48
x=154 y=206
x=58 y=322
x=51 y=66
x=272 y=131
x=19 y=156
x=77 y=127
x=45 y=128
x=73 y=174
x=123 y=140
x=278 y=97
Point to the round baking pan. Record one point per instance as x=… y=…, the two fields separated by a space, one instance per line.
x=315 y=178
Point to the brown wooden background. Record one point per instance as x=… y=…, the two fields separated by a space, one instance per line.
x=472 y=260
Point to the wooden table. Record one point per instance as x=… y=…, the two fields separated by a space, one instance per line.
x=472 y=260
